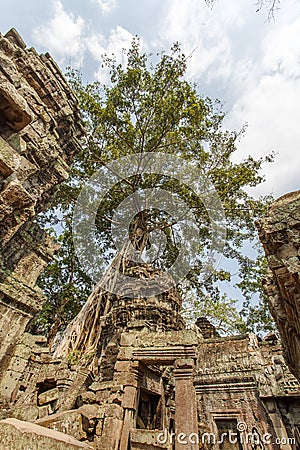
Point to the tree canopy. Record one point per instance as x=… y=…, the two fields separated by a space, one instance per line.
x=150 y=107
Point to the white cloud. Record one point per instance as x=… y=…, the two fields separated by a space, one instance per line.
x=205 y=34
x=116 y=45
x=62 y=34
x=273 y=117
x=268 y=92
x=281 y=49
x=95 y=44
x=252 y=65
x=106 y=6
x=257 y=66
x=118 y=40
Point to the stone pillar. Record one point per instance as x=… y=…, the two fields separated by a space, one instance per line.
x=186 y=421
x=128 y=374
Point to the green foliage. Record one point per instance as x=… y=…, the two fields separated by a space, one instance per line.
x=255 y=313
x=76 y=357
x=152 y=108
x=221 y=311
x=64 y=282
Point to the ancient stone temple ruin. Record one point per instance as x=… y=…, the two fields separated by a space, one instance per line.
x=280 y=236
x=140 y=380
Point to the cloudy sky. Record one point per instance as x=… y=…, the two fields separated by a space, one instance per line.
x=250 y=64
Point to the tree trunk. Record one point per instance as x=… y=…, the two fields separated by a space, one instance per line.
x=82 y=335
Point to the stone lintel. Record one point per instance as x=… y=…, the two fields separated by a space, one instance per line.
x=168 y=339
x=164 y=356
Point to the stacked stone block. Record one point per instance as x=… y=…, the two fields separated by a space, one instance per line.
x=280 y=235
x=40 y=131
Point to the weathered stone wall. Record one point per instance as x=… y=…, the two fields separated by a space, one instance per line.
x=40 y=129
x=243 y=380
x=279 y=233
x=175 y=381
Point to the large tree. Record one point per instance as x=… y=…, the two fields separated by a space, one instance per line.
x=150 y=108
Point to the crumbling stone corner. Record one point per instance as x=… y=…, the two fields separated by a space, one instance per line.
x=279 y=233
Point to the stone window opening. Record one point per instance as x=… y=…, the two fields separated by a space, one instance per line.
x=225 y=427
x=44 y=386
x=148 y=414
